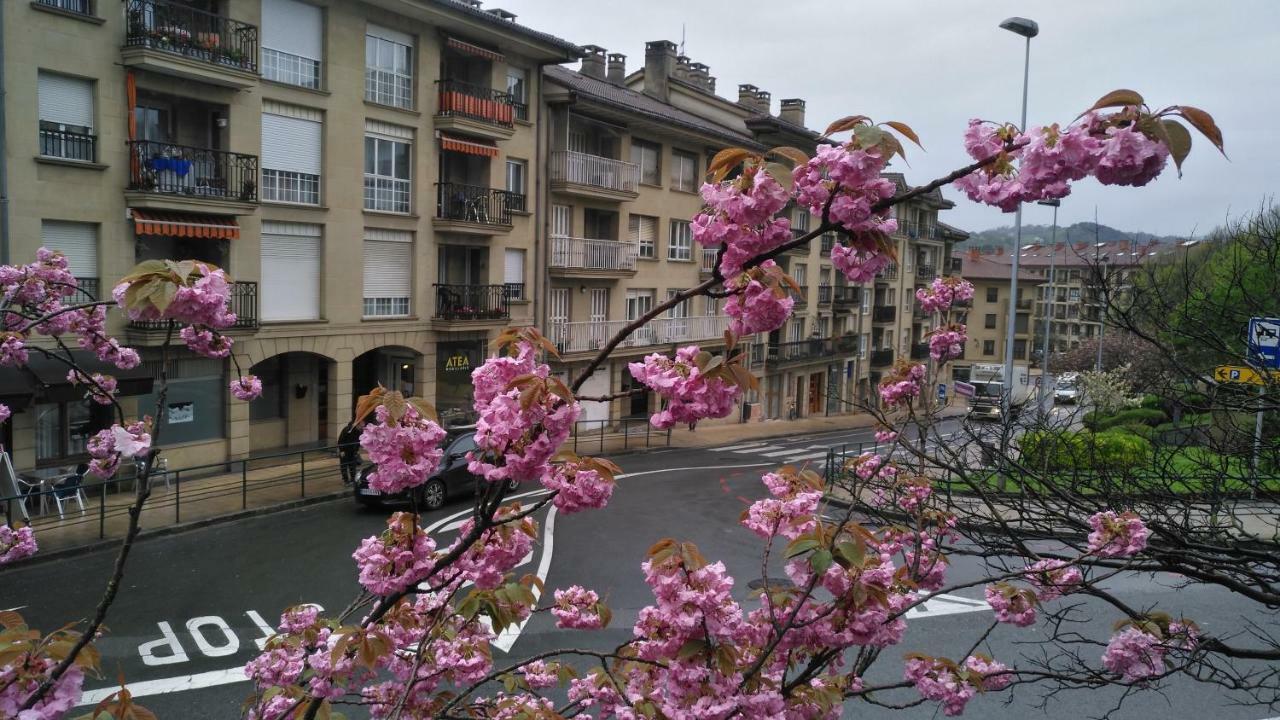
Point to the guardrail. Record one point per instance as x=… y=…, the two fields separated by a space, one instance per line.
x=602 y=435
x=185 y=30
x=592 y=254
x=475 y=102
x=581 y=168
x=244 y=303
x=572 y=337
x=192 y=171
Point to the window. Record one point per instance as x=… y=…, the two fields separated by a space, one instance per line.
x=195 y=401
x=388 y=272
x=639 y=302
x=684 y=171
x=801 y=275
x=644 y=233
x=562 y=221
x=516 y=90
x=800 y=221
x=1020 y=349
x=291 y=154
x=79 y=7
x=292 y=42
x=66 y=117
x=866 y=301
x=795 y=331
x=386 y=170
x=291 y=266
x=680 y=246
x=513 y=273
x=62 y=429
x=516 y=176
x=680 y=309
x=79 y=242
x=863 y=341
x=711 y=307
x=388 y=71
x=993 y=294
x=988 y=347
x=989 y=322
x=824 y=326
x=644 y=155
x=558 y=306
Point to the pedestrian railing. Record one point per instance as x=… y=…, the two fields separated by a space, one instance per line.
x=600 y=436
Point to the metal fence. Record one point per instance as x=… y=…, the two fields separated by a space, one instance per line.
x=599 y=436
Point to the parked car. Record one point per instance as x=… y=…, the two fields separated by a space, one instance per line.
x=1068 y=391
x=450 y=479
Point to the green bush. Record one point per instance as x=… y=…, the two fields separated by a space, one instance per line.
x=1092 y=418
x=1084 y=450
x=1145 y=432
x=1152 y=402
x=1135 y=416
x=1116 y=449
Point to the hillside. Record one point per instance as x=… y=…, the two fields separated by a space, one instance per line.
x=1079 y=232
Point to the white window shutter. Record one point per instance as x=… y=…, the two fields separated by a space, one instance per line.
x=65 y=100
x=388 y=264
x=78 y=241
x=513 y=268
x=291 y=262
x=293 y=27
x=291 y=144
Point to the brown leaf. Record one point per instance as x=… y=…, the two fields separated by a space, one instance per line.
x=905 y=131
x=10 y=619
x=1203 y=122
x=889 y=145
x=725 y=161
x=1178 y=139
x=847 y=122
x=795 y=155
x=1117 y=98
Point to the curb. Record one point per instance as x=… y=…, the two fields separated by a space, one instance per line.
x=1064 y=535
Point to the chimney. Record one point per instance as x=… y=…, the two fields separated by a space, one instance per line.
x=975 y=253
x=711 y=84
x=682 y=67
x=747 y=95
x=593 y=62
x=504 y=14
x=617 y=68
x=472 y=3
x=659 y=66
x=763 y=101
x=792 y=111
x=698 y=74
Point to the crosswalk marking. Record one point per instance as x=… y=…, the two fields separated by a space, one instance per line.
x=790 y=451
x=737 y=447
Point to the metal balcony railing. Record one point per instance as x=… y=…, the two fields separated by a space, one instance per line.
x=475 y=102
x=181 y=170
x=824 y=294
x=882 y=357
x=185 y=30
x=708 y=265
x=884 y=313
x=926 y=272
x=594 y=171
x=79 y=7
x=888 y=272
x=847 y=295
x=916 y=230
x=920 y=351
x=476 y=203
x=828 y=242
x=244 y=303
x=86 y=291
x=800 y=350
x=68 y=144
x=570 y=337
x=589 y=254
x=472 y=302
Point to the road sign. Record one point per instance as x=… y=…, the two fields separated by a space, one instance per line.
x=942 y=391
x=1264 y=341
x=1239 y=374
x=964 y=389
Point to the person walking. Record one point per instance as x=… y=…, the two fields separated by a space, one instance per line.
x=349 y=451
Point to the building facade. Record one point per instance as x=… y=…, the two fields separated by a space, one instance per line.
x=987 y=317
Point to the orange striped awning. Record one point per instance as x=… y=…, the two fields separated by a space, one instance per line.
x=468 y=147
x=474 y=50
x=174 y=224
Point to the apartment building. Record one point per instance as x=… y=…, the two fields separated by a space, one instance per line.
x=365 y=171
x=987 y=317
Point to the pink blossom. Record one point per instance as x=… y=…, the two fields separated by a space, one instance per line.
x=5 y=412
x=1134 y=655
x=498 y=550
x=1013 y=606
x=16 y=544
x=206 y=342
x=739 y=219
x=247 y=388
x=861 y=257
x=757 y=308
x=1117 y=534
x=577 y=608
x=201 y=300
x=903 y=385
x=399 y=558
x=100 y=388
x=789 y=517
x=954 y=686
x=944 y=292
x=19 y=681
x=540 y=675
x=406 y=452
x=1051 y=579
x=109 y=446
x=690 y=393
x=577 y=486
x=885 y=436
x=13 y=351
x=947 y=343
x=1129 y=157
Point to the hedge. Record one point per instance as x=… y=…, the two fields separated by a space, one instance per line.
x=1133 y=416
x=1084 y=450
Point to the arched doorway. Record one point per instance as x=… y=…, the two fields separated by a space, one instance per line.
x=293 y=410
x=393 y=367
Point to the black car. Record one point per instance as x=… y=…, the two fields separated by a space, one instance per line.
x=451 y=478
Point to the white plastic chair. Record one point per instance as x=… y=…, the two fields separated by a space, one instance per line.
x=69 y=489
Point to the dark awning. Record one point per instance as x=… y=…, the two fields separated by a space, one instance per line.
x=45 y=380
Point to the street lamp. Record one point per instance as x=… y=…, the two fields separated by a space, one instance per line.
x=1049 y=297
x=1027 y=29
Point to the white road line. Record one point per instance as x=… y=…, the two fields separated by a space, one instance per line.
x=736 y=447
x=810 y=456
x=182 y=683
x=792 y=451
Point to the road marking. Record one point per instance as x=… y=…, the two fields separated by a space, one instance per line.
x=790 y=451
x=181 y=683
x=810 y=456
x=736 y=447
x=947 y=605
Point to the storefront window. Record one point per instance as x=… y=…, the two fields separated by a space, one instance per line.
x=195 y=405
x=269 y=405
x=62 y=429
x=454 y=363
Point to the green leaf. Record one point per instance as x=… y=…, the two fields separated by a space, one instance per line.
x=801 y=545
x=820 y=561
x=691 y=649
x=855 y=553
x=1178 y=140
x=868 y=135
x=1117 y=98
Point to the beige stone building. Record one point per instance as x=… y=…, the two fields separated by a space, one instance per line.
x=365 y=171
x=987 y=318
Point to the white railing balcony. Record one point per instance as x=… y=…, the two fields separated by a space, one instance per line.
x=589 y=254
x=580 y=168
x=572 y=337
x=708 y=261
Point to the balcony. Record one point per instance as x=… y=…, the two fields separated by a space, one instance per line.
x=920 y=351
x=1025 y=303
x=847 y=296
x=473 y=304
x=244 y=303
x=66 y=144
x=888 y=272
x=177 y=177
x=576 y=337
x=926 y=272
x=182 y=41
x=475 y=209
x=884 y=313
x=816 y=348
x=824 y=295
x=592 y=176
x=828 y=242
x=917 y=231
x=588 y=258
x=708 y=264
x=800 y=296
x=880 y=358
x=474 y=110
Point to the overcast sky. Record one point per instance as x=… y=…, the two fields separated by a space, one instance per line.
x=936 y=63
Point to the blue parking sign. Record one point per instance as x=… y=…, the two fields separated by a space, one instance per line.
x=1264 y=341
x=942 y=391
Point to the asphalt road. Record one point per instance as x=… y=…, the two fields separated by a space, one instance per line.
x=194 y=605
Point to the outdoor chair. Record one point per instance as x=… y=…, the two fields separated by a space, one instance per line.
x=71 y=489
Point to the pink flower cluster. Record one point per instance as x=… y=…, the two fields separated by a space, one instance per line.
x=5 y=412
x=577 y=486
x=405 y=451
x=944 y=292
x=1011 y=605
x=109 y=446
x=13 y=351
x=1051 y=579
x=203 y=301
x=19 y=681
x=885 y=436
x=247 y=388
x=690 y=394
x=903 y=385
x=755 y=306
x=947 y=343
x=99 y=388
x=206 y=342
x=791 y=511
x=954 y=686
x=16 y=544
x=577 y=608
x=1117 y=534
x=515 y=440
x=498 y=550
x=854 y=174
x=1129 y=157
x=399 y=558
x=89 y=325
x=1134 y=655
x=739 y=217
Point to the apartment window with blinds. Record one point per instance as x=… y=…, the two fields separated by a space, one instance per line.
x=801 y=275
x=513 y=274
x=516 y=90
x=388 y=71
x=386 y=174
x=292 y=43
x=644 y=233
x=824 y=326
x=388 y=273
x=644 y=155
x=66 y=117
x=291 y=154
x=684 y=171
x=79 y=7
x=291 y=262
x=680 y=246
x=516 y=172
x=79 y=242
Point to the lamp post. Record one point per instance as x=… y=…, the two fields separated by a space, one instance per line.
x=1049 y=297
x=1027 y=29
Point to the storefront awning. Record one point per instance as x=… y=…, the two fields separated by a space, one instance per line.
x=174 y=224
x=44 y=380
x=468 y=147
x=474 y=50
